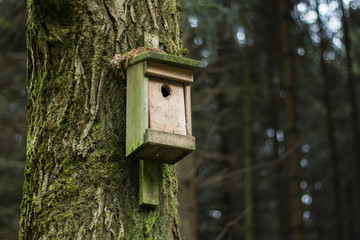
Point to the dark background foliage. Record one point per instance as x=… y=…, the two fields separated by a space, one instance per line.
x=12 y=114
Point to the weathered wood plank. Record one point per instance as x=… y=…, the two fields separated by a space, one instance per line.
x=167 y=71
x=166 y=58
x=187 y=95
x=149 y=183
x=165 y=138
x=136 y=107
x=164 y=147
x=167 y=106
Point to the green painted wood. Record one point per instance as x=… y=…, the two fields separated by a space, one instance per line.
x=169 y=139
x=164 y=147
x=136 y=125
x=149 y=183
x=166 y=58
x=137 y=107
x=151 y=147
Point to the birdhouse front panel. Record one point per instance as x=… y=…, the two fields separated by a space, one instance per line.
x=158 y=121
x=167 y=106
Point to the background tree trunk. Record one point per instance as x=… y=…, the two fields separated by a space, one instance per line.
x=78 y=184
x=354 y=123
x=291 y=131
x=330 y=130
x=248 y=143
x=187 y=197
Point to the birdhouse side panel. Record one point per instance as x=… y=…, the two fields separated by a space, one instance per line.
x=187 y=95
x=136 y=107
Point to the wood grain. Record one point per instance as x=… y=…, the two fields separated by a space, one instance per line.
x=167 y=113
x=136 y=107
x=149 y=183
x=164 y=147
x=167 y=71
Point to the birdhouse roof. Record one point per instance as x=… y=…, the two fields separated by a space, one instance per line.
x=166 y=58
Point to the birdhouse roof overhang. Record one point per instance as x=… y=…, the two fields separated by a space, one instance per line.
x=166 y=59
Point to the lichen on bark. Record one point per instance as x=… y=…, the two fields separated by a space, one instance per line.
x=78 y=184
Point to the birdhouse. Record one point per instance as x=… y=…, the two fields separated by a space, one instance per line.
x=158 y=110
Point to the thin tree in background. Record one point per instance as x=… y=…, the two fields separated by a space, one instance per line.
x=280 y=188
x=247 y=108
x=291 y=131
x=225 y=50
x=351 y=89
x=78 y=184
x=330 y=128
x=353 y=194
x=12 y=113
x=187 y=197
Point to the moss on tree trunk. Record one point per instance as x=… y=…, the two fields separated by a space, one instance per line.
x=78 y=183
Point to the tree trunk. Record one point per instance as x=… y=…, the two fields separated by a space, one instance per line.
x=291 y=131
x=247 y=118
x=354 y=124
x=78 y=184
x=187 y=197
x=352 y=91
x=330 y=130
x=224 y=150
x=280 y=188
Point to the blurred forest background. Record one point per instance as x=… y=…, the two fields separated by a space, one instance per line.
x=275 y=114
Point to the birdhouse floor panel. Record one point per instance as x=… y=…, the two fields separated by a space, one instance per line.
x=164 y=147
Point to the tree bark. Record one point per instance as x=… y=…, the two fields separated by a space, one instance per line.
x=352 y=91
x=354 y=124
x=247 y=118
x=187 y=197
x=291 y=131
x=78 y=184
x=330 y=130
x=280 y=188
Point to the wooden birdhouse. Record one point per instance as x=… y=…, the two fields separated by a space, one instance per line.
x=158 y=110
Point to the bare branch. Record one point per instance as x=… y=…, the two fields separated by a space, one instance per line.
x=15 y=164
